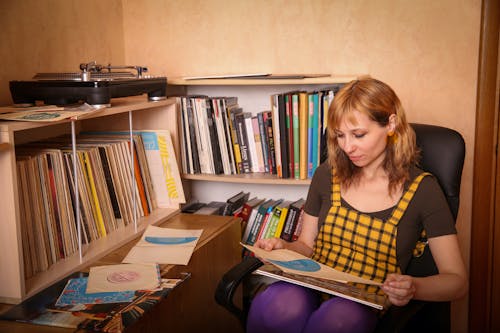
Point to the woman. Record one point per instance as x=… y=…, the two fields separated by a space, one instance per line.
x=365 y=212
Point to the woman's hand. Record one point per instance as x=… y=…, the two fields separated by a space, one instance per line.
x=269 y=244
x=399 y=288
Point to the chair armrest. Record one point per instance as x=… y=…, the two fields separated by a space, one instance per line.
x=229 y=283
x=416 y=317
x=396 y=317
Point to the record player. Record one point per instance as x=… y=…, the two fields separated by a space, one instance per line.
x=95 y=84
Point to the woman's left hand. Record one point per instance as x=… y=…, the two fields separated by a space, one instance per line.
x=399 y=288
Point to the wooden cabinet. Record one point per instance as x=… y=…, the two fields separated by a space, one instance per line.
x=254 y=95
x=137 y=111
x=189 y=307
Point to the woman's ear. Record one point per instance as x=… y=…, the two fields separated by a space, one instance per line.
x=391 y=125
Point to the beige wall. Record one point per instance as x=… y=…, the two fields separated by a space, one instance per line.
x=56 y=35
x=426 y=50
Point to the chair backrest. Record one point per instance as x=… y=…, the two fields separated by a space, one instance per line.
x=442 y=154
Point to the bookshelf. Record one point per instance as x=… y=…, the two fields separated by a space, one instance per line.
x=136 y=110
x=253 y=95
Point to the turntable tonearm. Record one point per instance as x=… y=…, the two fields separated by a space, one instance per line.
x=95 y=84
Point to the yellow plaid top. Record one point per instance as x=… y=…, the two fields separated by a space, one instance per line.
x=358 y=243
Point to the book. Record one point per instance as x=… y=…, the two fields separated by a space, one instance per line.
x=285 y=166
x=258 y=144
x=231 y=113
x=252 y=149
x=266 y=220
x=225 y=104
x=246 y=163
x=276 y=133
x=303 y=128
x=245 y=213
x=191 y=207
x=289 y=131
x=298 y=269
x=202 y=134
x=292 y=219
x=296 y=135
x=211 y=208
x=262 y=211
x=217 y=158
x=264 y=141
x=276 y=222
x=192 y=134
x=271 y=146
x=235 y=202
x=314 y=130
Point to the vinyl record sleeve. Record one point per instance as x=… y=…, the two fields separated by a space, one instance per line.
x=123 y=277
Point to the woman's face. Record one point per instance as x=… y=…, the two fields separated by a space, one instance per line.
x=362 y=139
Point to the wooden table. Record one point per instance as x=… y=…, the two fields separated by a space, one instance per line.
x=190 y=307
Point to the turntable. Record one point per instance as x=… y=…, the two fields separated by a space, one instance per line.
x=95 y=84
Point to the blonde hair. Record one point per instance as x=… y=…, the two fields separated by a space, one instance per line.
x=378 y=101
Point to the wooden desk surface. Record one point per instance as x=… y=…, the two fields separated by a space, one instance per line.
x=190 y=307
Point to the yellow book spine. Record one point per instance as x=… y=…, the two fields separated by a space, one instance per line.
x=303 y=120
x=93 y=191
x=281 y=222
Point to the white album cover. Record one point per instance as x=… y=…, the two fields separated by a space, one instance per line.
x=164 y=246
x=123 y=277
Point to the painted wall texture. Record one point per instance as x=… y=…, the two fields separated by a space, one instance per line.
x=426 y=50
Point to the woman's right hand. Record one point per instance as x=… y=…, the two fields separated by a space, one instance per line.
x=269 y=244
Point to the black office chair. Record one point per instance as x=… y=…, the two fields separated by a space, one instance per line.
x=442 y=154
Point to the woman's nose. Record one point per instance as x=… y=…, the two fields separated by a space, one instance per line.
x=349 y=146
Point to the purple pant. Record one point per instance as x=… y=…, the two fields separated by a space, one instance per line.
x=285 y=307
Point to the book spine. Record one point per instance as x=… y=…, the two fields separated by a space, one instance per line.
x=250 y=225
x=303 y=116
x=283 y=137
x=258 y=144
x=268 y=123
x=194 y=135
x=310 y=135
x=214 y=138
x=296 y=137
x=254 y=232
x=298 y=225
x=273 y=222
x=287 y=232
x=289 y=130
x=227 y=136
x=315 y=134
x=281 y=222
x=264 y=141
x=234 y=138
x=276 y=134
x=243 y=140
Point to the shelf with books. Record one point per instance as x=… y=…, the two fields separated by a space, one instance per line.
x=19 y=279
x=248 y=102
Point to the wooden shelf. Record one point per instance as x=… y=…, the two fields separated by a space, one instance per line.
x=119 y=105
x=144 y=114
x=251 y=178
x=262 y=82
